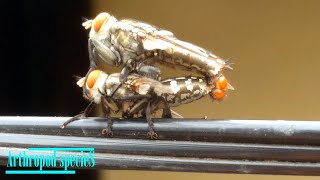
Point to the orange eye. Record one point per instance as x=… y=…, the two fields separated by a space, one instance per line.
x=92 y=78
x=221 y=83
x=218 y=94
x=99 y=20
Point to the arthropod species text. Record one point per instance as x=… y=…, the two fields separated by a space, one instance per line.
x=135 y=45
x=142 y=96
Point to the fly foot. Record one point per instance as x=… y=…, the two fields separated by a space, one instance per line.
x=107 y=132
x=75 y=118
x=152 y=135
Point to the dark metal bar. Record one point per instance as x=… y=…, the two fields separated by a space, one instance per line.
x=108 y=160
x=169 y=148
x=224 y=146
x=119 y=161
x=238 y=131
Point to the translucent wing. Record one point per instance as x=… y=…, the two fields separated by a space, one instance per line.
x=175 y=114
x=152 y=38
x=230 y=87
x=144 y=85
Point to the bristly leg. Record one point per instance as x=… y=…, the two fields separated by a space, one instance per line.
x=148 y=71
x=123 y=78
x=92 y=58
x=79 y=116
x=151 y=134
x=166 y=109
x=108 y=131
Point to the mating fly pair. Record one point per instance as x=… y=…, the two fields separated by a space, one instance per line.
x=136 y=47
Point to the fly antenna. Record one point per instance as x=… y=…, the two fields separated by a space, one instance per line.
x=77 y=78
x=86 y=23
x=80 y=80
x=84 y=19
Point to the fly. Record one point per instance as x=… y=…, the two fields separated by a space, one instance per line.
x=143 y=97
x=133 y=45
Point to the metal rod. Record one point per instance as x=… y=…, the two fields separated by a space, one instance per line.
x=120 y=161
x=169 y=148
x=125 y=154
x=238 y=131
x=224 y=146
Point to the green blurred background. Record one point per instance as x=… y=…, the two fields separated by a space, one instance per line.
x=274 y=46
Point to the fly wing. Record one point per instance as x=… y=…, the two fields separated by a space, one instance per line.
x=152 y=38
x=143 y=29
x=144 y=85
x=147 y=35
x=175 y=114
x=185 y=51
x=230 y=87
x=157 y=113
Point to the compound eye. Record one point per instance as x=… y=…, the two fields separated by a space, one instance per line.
x=92 y=78
x=99 y=20
x=218 y=94
x=221 y=83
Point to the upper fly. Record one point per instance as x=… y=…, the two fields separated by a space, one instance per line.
x=133 y=45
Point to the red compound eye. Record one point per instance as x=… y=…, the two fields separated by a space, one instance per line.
x=92 y=78
x=218 y=94
x=99 y=20
x=221 y=83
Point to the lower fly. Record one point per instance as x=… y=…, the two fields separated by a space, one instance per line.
x=143 y=97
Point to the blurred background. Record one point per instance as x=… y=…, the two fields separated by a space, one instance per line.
x=273 y=44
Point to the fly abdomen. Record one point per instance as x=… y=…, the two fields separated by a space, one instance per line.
x=184 y=90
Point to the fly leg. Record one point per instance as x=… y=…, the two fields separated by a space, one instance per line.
x=142 y=105
x=84 y=114
x=106 y=52
x=93 y=63
x=108 y=131
x=130 y=66
x=166 y=109
x=123 y=78
x=92 y=57
x=151 y=134
x=138 y=106
x=148 y=71
x=161 y=104
x=132 y=97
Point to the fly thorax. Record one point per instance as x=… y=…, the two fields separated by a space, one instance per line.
x=111 y=81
